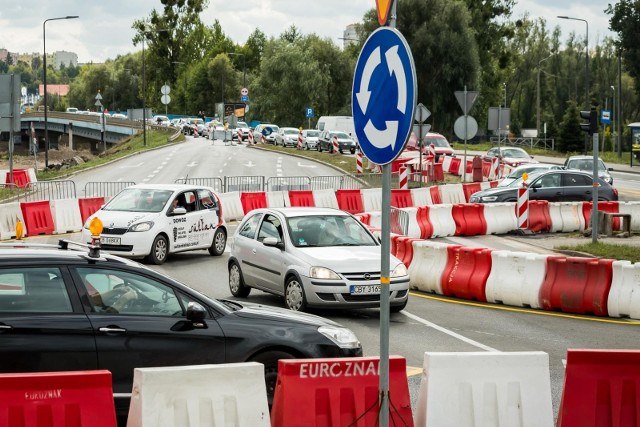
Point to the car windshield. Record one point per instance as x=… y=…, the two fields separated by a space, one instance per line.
x=340 y=135
x=585 y=165
x=290 y=131
x=242 y=125
x=532 y=176
x=328 y=230
x=437 y=141
x=139 y=200
x=518 y=154
x=313 y=133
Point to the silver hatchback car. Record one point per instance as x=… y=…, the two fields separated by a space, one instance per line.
x=314 y=257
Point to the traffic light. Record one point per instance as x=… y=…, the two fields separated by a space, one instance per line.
x=591 y=127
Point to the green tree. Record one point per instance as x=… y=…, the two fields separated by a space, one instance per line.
x=625 y=20
x=571 y=136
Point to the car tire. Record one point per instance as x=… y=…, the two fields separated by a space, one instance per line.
x=398 y=308
x=219 y=242
x=159 y=250
x=294 y=298
x=352 y=151
x=270 y=361
x=319 y=147
x=236 y=281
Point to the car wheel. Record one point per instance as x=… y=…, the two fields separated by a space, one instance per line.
x=352 y=151
x=219 y=243
x=270 y=361
x=236 y=282
x=294 y=297
x=159 y=250
x=398 y=308
x=340 y=150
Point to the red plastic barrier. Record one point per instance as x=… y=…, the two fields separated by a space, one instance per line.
x=438 y=172
x=69 y=399
x=426 y=228
x=301 y=198
x=539 y=218
x=577 y=285
x=469 y=219
x=20 y=178
x=404 y=250
x=364 y=218
x=486 y=169
x=37 y=217
x=89 y=206
x=401 y=198
x=350 y=201
x=337 y=392
x=493 y=184
x=436 y=198
x=394 y=244
x=600 y=389
x=253 y=200
x=465 y=275
x=454 y=166
x=611 y=207
x=469 y=167
x=469 y=189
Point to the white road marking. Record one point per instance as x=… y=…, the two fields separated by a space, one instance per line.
x=132 y=166
x=448 y=332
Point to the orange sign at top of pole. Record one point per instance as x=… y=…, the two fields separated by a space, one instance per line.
x=383 y=7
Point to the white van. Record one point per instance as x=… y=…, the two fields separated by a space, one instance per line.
x=72 y=110
x=334 y=123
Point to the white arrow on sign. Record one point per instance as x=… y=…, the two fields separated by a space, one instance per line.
x=364 y=94
x=300 y=165
x=395 y=66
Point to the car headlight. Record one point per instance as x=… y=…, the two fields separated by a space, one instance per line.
x=323 y=273
x=400 y=271
x=342 y=337
x=608 y=179
x=142 y=226
x=489 y=198
x=473 y=200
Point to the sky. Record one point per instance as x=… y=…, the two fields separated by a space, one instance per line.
x=103 y=30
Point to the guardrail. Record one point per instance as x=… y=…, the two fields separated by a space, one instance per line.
x=105 y=189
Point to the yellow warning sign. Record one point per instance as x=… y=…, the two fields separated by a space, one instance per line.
x=383 y=7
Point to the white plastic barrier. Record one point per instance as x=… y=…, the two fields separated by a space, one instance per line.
x=566 y=217
x=231 y=206
x=485 y=185
x=204 y=395
x=500 y=217
x=325 y=198
x=452 y=194
x=375 y=219
x=624 y=297
x=485 y=389
x=516 y=278
x=371 y=199
x=441 y=218
x=413 y=229
x=421 y=196
x=278 y=199
x=446 y=163
x=10 y=213
x=633 y=209
x=428 y=264
x=32 y=175
x=66 y=216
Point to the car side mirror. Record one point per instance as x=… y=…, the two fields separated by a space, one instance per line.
x=610 y=169
x=272 y=241
x=179 y=211
x=536 y=186
x=195 y=312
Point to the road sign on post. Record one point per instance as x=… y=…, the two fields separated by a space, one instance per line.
x=421 y=129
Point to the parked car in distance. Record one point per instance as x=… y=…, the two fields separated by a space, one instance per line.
x=119 y=116
x=313 y=257
x=268 y=130
x=528 y=168
x=287 y=137
x=440 y=143
x=585 y=163
x=345 y=142
x=72 y=110
x=161 y=120
x=141 y=222
x=310 y=138
x=510 y=156
x=245 y=130
x=80 y=309
x=551 y=185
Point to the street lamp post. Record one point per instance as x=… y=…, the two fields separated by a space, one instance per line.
x=613 y=115
x=538 y=93
x=586 y=80
x=44 y=45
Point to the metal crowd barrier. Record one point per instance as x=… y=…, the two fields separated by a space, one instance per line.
x=48 y=190
x=286 y=183
x=243 y=183
x=214 y=182
x=105 y=189
x=399 y=221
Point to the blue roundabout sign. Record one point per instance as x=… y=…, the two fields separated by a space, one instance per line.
x=384 y=95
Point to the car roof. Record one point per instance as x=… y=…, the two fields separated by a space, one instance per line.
x=306 y=211
x=170 y=187
x=20 y=251
x=582 y=157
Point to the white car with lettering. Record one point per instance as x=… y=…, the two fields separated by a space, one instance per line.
x=153 y=220
x=313 y=257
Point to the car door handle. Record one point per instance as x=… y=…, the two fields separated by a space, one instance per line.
x=5 y=327
x=108 y=330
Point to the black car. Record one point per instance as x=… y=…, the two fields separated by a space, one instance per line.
x=552 y=185
x=85 y=310
x=345 y=142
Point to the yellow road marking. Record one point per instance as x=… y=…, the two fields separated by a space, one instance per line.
x=412 y=371
x=525 y=310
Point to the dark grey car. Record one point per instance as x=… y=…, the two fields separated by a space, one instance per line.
x=553 y=186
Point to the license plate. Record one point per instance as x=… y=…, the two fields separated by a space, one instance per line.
x=364 y=289
x=109 y=240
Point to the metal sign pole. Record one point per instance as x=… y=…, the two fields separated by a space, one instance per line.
x=464 y=168
x=596 y=184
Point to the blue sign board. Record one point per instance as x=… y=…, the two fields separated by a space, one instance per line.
x=309 y=112
x=605 y=117
x=244 y=98
x=267 y=131
x=384 y=95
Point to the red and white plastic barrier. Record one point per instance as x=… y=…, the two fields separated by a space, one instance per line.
x=359 y=162
x=250 y=138
x=522 y=207
x=624 y=298
x=403 y=178
x=300 y=144
x=334 y=143
x=371 y=199
x=516 y=278
x=427 y=266
x=239 y=136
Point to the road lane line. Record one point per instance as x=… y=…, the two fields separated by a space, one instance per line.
x=448 y=332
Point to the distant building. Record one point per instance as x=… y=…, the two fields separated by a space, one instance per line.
x=63 y=57
x=3 y=55
x=61 y=90
x=350 y=35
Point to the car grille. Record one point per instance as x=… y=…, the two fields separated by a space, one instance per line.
x=115 y=231
x=373 y=276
